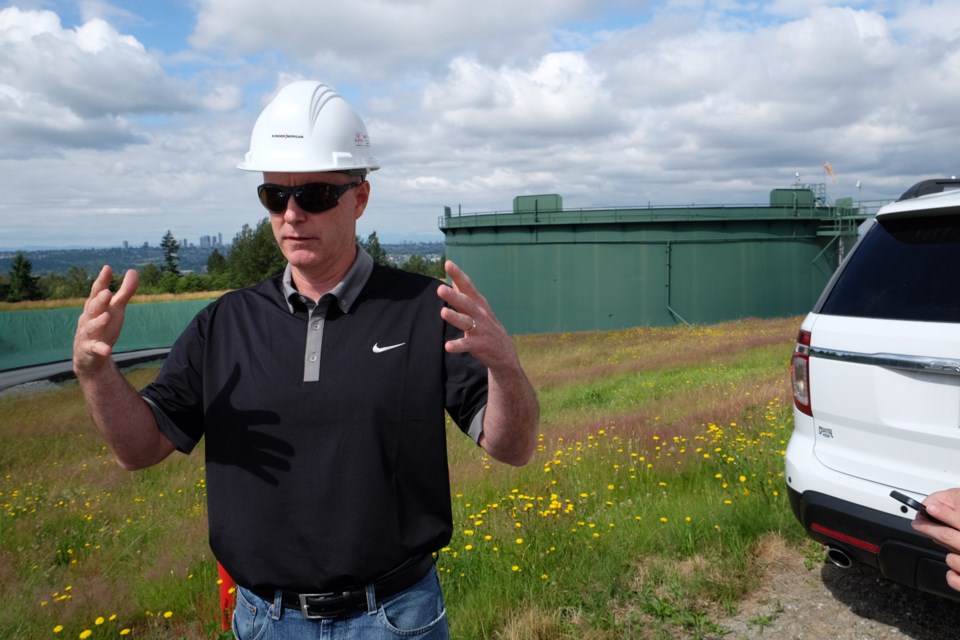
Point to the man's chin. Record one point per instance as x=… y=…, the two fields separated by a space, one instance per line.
x=300 y=257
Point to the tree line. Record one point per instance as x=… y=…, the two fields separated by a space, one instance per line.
x=253 y=256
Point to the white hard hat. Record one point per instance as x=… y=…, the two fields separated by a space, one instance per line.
x=309 y=127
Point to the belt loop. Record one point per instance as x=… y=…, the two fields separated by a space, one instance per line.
x=276 y=609
x=371 y=600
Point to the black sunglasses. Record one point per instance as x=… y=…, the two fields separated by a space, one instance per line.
x=314 y=197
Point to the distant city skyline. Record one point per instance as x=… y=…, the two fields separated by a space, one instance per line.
x=204 y=242
x=6 y=247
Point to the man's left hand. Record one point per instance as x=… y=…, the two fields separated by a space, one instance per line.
x=483 y=335
x=512 y=412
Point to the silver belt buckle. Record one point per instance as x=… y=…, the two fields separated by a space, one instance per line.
x=305 y=607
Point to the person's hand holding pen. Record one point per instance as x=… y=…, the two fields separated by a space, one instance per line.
x=942 y=524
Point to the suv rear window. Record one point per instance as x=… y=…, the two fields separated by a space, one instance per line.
x=904 y=269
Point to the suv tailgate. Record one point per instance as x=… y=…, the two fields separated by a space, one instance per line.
x=883 y=404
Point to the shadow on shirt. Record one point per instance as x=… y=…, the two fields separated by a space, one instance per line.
x=235 y=439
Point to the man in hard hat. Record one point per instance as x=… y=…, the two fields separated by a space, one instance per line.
x=321 y=396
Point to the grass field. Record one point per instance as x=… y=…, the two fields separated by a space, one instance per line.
x=658 y=475
x=60 y=303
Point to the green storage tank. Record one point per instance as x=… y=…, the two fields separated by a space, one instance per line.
x=598 y=269
x=534 y=204
x=792 y=197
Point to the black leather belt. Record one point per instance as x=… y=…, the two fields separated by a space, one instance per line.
x=333 y=604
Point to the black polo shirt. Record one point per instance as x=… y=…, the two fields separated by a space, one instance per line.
x=318 y=484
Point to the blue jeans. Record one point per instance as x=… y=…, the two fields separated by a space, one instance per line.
x=418 y=612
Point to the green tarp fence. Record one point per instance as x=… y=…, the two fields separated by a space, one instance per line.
x=43 y=336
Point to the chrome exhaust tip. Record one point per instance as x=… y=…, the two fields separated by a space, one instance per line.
x=839 y=557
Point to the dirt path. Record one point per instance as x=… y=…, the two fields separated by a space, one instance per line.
x=827 y=602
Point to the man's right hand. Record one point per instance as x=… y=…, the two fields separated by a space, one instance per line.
x=98 y=328
x=945 y=507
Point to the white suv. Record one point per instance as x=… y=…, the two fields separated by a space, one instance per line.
x=876 y=379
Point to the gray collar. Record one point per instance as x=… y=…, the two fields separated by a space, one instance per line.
x=346 y=291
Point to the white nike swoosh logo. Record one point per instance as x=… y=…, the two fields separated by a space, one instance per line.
x=378 y=349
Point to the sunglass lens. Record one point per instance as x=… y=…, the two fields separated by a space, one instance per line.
x=316 y=197
x=273 y=198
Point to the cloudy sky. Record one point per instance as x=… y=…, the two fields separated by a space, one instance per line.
x=119 y=121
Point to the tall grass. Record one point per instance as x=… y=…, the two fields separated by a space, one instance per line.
x=657 y=475
x=59 y=303
x=659 y=471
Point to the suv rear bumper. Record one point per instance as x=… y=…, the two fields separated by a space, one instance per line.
x=872 y=537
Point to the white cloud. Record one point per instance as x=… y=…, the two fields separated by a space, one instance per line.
x=31 y=125
x=762 y=99
x=101 y=9
x=222 y=97
x=66 y=87
x=472 y=104
x=559 y=96
x=378 y=37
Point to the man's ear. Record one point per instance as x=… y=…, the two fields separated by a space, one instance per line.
x=362 y=196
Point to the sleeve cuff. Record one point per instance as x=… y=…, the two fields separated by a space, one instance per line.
x=476 y=425
x=183 y=443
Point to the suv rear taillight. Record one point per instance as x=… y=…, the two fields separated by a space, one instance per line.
x=800 y=373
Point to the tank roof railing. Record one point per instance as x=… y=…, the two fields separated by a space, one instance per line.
x=658 y=213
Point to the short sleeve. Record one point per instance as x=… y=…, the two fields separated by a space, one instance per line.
x=176 y=396
x=466 y=387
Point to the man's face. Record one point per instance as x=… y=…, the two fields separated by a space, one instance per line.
x=319 y=244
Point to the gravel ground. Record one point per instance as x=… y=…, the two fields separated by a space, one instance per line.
x=827 y=602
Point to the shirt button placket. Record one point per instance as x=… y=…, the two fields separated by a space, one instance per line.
x=311 y=372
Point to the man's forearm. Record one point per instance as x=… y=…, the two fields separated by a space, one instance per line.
x=511 y=417
x=512 y=414
x=124 y=420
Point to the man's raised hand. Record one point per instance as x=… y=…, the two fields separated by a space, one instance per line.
x=99 y=325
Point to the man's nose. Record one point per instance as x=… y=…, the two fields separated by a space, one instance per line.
x=293 y=212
